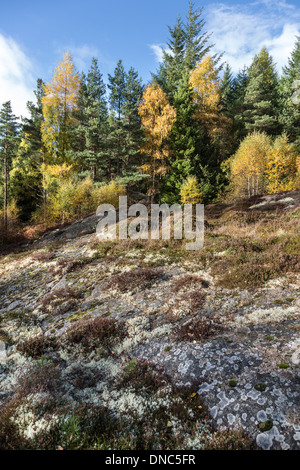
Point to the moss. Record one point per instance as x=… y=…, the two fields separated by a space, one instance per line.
x=260 y=386
x=232 y=383
x=269 y=338
x=168 y=348
x=289 y=299
x=131 y=365
x=283 y=365
x=278 y=301
x=265 y=426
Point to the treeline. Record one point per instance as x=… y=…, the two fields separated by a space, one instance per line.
x=194 y=133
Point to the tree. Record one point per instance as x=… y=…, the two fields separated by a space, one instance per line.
x=227 y=91
x=196 y=41
x=261 y=98
x=289 y=90
x=132 y=122
x=158 y=117
x=117 y=100
x=25 y=176
x=171 y=70
x=187 y=45
x=206 y=86
x=60 y=100
x=95 y=128
x=185 y=141
x=235 y=107
x=190 y=191
x=216 y=127
x=248 y=164
x=8 y=147
x=281 y=166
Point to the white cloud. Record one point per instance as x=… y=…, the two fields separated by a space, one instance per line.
x=241 y=31
x=82 y=56
x=16 y=77
x=158 y=51
x=280 y=47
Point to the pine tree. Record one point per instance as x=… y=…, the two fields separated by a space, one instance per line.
x=117 y=100
x=261 y=99
x=25 y=176
x=196 y=40
x=227 y=91
x=187 y=45
x=237 y=110
x=32 y=126
x=8 y=147
x=171 y=71
x=132 y=122
x=95 y=115
x=290 y=108
x=184 y=142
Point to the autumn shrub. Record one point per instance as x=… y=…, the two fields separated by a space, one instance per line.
x=98 y=331
x=42 y=376
x=199 y=328
x=140 y=278
x=140 y=375
x=70 y=198
x=187 y=281
x=67 y=265
x=190 y=192
x=230 y=439
x=36 y=346
x=109 y=194
x=60 y=300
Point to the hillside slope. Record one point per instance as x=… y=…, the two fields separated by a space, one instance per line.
x=141 y=344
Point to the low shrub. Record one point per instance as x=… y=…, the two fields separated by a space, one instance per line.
x=90 y=333
x=140 y=278
x=199 y=328
x=36 y=347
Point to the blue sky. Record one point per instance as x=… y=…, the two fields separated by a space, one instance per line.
x=34 y=34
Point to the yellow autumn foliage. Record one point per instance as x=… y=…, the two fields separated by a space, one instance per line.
x=158 y=117
x=282 y=166
x=190 y=192
x=60 y=99
x=248 y=164
x=205 y=83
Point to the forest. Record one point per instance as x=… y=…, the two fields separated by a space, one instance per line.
x=196 y=133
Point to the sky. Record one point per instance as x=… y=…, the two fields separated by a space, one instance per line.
x=34 y=35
